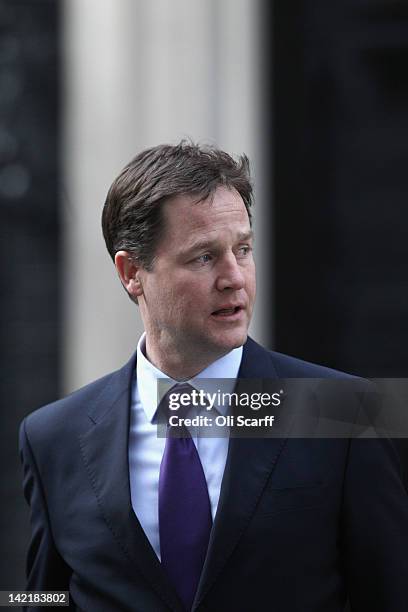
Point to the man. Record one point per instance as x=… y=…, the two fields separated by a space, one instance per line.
x=283 y=524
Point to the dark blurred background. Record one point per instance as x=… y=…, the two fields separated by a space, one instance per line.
x=29 y=247
x=340 y=133
x=332 y=110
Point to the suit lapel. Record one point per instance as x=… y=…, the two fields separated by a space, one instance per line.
x=249 y=465
x=105 y=453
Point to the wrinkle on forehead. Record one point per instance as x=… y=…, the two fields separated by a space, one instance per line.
x=187 y=214
x=214 y=220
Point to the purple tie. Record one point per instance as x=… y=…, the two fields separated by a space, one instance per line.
x=184 y=508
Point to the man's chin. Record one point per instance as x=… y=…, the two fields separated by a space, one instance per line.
x=228 y=342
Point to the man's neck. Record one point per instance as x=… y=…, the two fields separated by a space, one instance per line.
x=179 y=367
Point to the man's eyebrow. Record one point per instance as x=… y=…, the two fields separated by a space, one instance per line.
x=242 y=236
x=201 y=245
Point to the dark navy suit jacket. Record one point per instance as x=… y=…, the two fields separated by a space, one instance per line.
x=302 y=524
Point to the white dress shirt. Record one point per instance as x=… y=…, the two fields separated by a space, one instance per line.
x=146 y=449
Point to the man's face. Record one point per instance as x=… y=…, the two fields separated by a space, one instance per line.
x=199 y=296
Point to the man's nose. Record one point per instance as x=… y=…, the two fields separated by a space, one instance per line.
x=230 y=274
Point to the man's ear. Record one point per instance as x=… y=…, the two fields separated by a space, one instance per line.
x=129 y=273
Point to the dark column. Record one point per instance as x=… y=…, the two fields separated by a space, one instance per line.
x=29 y=246
x=340 y=132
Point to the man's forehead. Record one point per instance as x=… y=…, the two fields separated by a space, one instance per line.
x=191 y=225
x=195 y=211
x=194 y=242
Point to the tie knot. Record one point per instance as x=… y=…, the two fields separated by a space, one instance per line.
x=178 y=400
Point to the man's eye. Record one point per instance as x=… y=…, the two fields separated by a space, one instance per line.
x=245 y=250
x=203 y=259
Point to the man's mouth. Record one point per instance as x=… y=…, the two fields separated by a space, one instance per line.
x=225 y=313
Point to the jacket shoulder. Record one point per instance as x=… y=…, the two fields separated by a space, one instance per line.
x=256 y=358
x=65 y=414
x=293 y=367
x=76 y=408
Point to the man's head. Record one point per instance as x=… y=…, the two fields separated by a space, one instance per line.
x=132 y=216
x=177 y=223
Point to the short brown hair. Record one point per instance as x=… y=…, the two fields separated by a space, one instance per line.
x=132 y=217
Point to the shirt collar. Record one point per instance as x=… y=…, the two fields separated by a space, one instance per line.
x=226 y=367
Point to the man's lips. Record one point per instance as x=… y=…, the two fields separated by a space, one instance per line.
x=228 y=311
